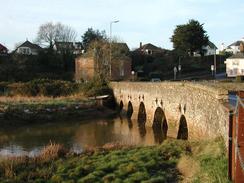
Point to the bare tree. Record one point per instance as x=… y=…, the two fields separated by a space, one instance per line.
x=49 y=33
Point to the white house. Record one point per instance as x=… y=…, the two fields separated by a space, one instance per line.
x=235 y=47
x=28 y=48
x=209 y=49
x=235 y=65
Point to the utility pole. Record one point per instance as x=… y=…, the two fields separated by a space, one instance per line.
x=215 y=69
x=110 y=48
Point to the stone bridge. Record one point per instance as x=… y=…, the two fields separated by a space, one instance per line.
x=180 y=109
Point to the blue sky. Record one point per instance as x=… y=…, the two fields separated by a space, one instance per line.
x=140 y=20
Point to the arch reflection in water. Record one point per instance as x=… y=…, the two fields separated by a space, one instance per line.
x=142 y=116
x=121 y=106
x=160 y=126
x=183 y=129
x=130 y=124
x=129 y=110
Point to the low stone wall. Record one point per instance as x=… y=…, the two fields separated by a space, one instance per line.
x=203 y=106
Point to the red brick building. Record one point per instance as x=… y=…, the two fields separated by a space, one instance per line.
x=87 y=67
x=97 y=62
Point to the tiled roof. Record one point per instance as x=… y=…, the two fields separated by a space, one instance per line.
x=150 y=47
x=30 y=45
x=237 y=43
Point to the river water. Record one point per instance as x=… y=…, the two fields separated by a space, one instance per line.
x=75 y=135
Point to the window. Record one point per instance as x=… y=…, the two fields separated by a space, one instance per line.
x=25 y=51
x=235 y=63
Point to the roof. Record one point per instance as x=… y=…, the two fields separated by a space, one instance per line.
x=30 y=45
x=122 y=46
x=237 y=55
x=2 y=47
x=237 y=43
x=149 y=46
x=212 y=45
x=71 y=45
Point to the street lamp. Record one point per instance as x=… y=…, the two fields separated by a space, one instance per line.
x=133 y=75
x=110 y=48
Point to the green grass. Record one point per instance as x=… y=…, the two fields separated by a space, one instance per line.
x=213 y=161
x=161 y=163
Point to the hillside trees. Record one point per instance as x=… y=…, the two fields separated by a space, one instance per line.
x=189 y=38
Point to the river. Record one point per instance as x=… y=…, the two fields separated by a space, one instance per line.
x=75 y=135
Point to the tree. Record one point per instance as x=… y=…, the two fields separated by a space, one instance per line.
x=49 y=33
x=189 y=38
x=92 y=35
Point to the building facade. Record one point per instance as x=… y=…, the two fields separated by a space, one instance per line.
x=235 y=65
x=86 y=68
x=28 y=48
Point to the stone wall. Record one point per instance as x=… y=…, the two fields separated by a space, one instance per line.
x=203 y=106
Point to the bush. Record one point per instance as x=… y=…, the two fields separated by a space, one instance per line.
x=239 y=79
x=43 y=87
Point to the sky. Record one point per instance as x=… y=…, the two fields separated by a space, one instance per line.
x=139 y=20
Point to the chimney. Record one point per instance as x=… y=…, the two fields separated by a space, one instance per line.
x=242 y=47
x=140 y=44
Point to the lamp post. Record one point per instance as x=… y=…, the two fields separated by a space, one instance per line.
x=110 y=48
x=133 y=75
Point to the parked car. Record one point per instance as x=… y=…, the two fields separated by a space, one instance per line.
x=155 y=79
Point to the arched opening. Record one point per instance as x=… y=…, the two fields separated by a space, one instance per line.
x=142 y=115
x=141 y=118
x=129 y=110
x=121 y=105
x=183 y=130
x=160 y=125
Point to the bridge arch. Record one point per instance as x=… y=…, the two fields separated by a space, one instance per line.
x=200 y=99
x=160 y=125
x=183 y=129
x=129 y=109
x=142 y=115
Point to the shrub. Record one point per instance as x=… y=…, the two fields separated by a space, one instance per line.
x=43 y=87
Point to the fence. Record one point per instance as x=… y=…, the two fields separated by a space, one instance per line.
x=236 y=141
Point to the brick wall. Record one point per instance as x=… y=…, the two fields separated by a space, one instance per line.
x=84 y=68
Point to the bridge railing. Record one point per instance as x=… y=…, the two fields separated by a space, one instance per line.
x=236 y=141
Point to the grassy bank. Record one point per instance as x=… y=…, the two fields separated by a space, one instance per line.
x=19 y=110
x=173 y=161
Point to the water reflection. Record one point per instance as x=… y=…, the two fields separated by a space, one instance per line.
x=76 y=135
